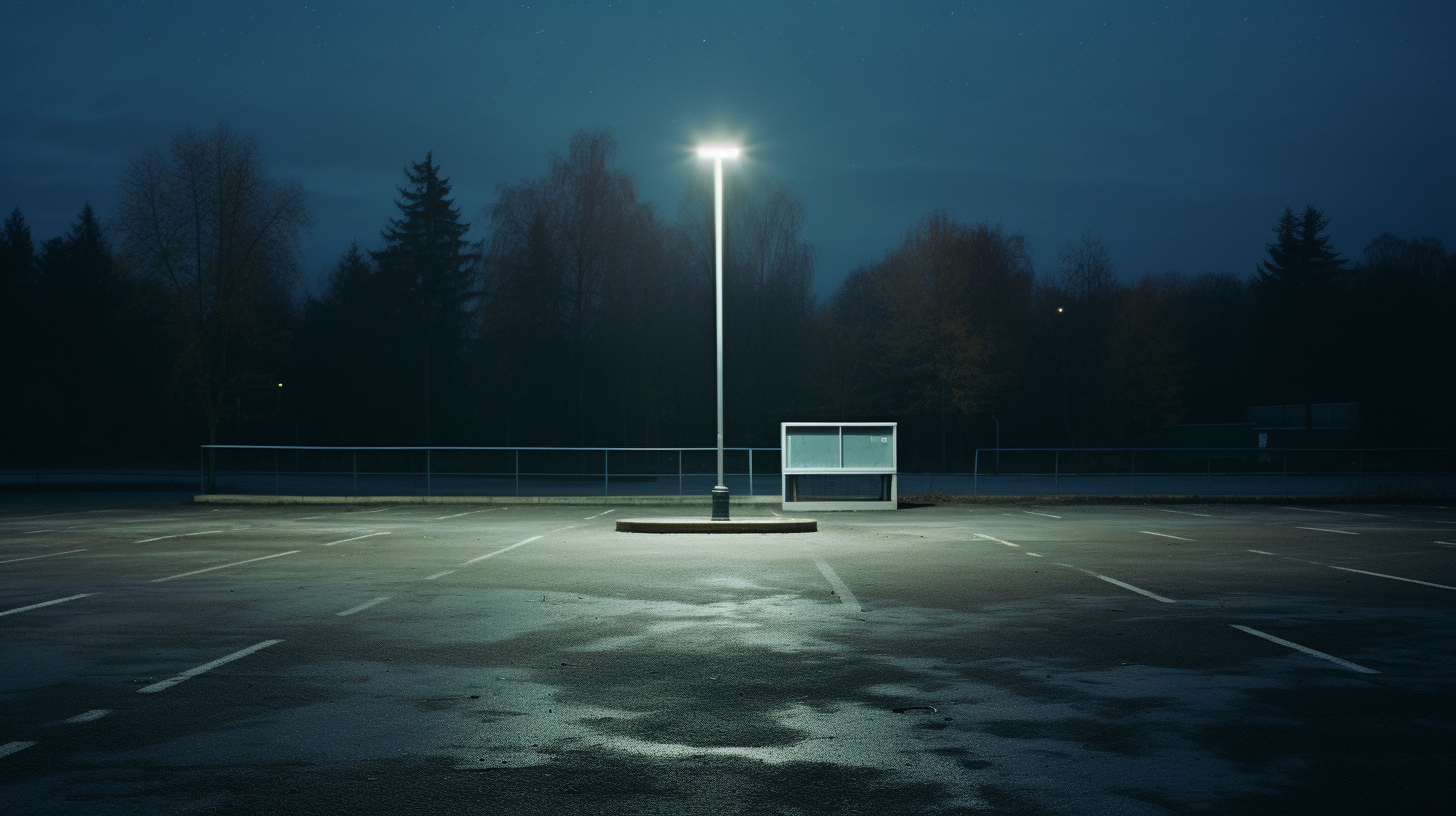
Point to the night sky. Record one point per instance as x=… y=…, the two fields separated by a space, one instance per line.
x=1177 y=131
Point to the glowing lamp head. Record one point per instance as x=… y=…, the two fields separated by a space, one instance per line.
x=717 y=152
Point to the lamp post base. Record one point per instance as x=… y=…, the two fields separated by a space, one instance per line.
x=720 y=503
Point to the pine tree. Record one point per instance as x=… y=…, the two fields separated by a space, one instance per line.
x=1297 y=292
x=17 y=279
x=429 y=268
x=1300 y=258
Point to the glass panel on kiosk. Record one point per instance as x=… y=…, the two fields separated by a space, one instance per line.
x=813 y=447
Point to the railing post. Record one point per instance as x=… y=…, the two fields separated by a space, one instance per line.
x=976 y=473
x=356 y=471
x=518 y=472
x=275 y=471
x=750 y=471
x=201 y=469
x=1057 y=468
x=427 y=471
x=679 y=472
x=606 y=470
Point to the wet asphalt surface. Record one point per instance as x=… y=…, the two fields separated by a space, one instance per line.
x=163 y=657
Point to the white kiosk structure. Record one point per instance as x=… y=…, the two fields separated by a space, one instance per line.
x=839 y=465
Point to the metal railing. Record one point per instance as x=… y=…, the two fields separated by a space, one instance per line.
x=1211 y=471
x=482 y=470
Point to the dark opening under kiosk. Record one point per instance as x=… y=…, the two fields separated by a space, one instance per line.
x=839 y=465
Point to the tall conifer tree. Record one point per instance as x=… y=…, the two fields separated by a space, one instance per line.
x=429 y=268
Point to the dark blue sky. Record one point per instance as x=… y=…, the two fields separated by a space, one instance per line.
x=1177 y=131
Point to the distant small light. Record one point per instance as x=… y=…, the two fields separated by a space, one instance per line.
x=1059 y=311
x=280 y=385
x=717 y=152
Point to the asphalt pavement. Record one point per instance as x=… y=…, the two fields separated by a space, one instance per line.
x=162 y=657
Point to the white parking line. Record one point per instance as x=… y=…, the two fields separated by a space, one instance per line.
x=997 y=540
x=224 y=566
x=1034 y=513
x=179 y=535
x=1164 y=535
x=11 y=747
x=1183 y=512
x=45 y=603
x=1155 y=596
x=205 y=667
x=1362 y=572
x=1379 y=575
x=438 y=575
x=466 y=513
x=603 y=513
x=363 y=606
x=1034 y=555
x=840 y=588
x=88 y=716
x=33 y=557
x=1325 y=530
x=1444 y=543
x=1335 y=512
x=1305 y=649
x=513 y=546
x=355 y=538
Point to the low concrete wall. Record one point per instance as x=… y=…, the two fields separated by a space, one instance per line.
x=593 y=501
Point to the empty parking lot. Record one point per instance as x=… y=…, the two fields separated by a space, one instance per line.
x=160 y=656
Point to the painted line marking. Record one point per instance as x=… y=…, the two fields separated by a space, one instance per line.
x=44 y=603
x=1305 y=649
x=1335 y=512
x=11 y=747
x=604 y=512
x=1034 y=513
x=1438 y=521
x=1444 y=543
x=1360 y=571
x=205 y=667
x=466 y=513
x=89 y=716
x=380 y=510
x=33 y=557
x=355 y=538
x=997 y=540
x=513 y=546
x=363 y=606
x=33 y=532
x=1139 y=590
x=224 y=566
x=179 y=535
x=53 y=515
x=1183 y=512
x=438 y=575
x=1379 y=575
x=1034 y=555
x=1165 y=535
x=840 y=588
x=1325 y=530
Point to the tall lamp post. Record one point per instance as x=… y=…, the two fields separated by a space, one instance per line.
x=718 y=153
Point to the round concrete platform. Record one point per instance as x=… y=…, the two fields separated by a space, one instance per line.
x=702 y=525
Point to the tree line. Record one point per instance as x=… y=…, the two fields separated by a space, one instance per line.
x=584 y=316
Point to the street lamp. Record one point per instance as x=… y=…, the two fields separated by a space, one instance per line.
x=718 y=153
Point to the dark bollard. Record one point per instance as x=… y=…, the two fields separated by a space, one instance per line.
x=720 y=503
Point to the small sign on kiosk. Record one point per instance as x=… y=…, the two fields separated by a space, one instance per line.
x=839 y=465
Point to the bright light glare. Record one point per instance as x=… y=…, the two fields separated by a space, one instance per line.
x=717 y=152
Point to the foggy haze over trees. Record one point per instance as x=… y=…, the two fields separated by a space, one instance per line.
x=571 y=312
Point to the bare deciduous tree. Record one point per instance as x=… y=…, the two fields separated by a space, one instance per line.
x=206 y=222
